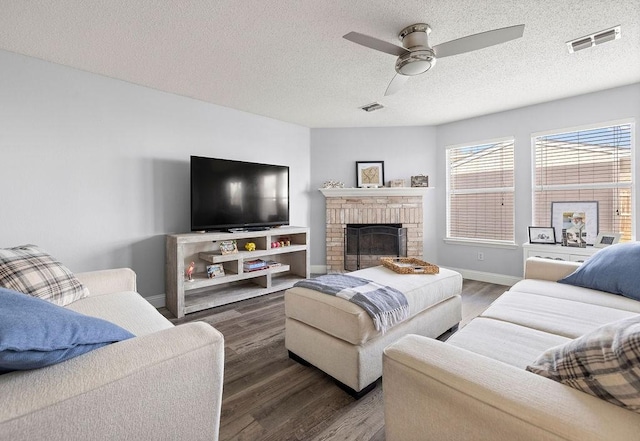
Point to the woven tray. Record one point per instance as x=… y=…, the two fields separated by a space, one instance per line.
x=409 y=265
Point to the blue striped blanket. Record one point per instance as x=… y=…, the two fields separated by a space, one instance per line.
x=385 y=305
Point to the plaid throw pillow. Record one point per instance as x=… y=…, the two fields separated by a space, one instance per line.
x=28 y=269
x=604 y=363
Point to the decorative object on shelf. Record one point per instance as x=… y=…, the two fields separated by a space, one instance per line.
x=606 y=239
x=228 y=247
x=254 y=265
x=409 y=265
x=333 y=184
x=273 y=263
x=542 y=235
x=420 y=181
x=282 y=242
x=579 y=218
x=215 y=270
x=396 y=183
x=250 y=246
x=370 y=174
x=189 y=271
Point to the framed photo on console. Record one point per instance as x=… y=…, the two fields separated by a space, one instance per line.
x=370 y=174
x=578 y=218
x=606 y=239
x=542 y=235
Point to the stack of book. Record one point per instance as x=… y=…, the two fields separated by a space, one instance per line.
x=254 y=265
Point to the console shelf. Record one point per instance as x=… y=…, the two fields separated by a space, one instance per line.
x=185 y=296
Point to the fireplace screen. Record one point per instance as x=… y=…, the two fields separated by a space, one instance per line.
x=365 y=244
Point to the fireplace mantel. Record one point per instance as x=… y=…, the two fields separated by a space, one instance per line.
x=383 y=191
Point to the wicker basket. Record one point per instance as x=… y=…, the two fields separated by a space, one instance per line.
x=409 y=265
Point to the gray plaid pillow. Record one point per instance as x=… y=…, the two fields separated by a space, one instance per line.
x=30 y=270
x=604 y=363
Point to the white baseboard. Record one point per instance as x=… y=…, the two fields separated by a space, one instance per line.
x=318 y=269
x=157 y=301
x=481 y=276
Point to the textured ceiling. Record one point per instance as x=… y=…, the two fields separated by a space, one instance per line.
x=286 y=59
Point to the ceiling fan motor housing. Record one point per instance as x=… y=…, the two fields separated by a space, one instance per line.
x=421 y=57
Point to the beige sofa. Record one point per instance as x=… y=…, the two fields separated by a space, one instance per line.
x=164 y=384
x=475 y=386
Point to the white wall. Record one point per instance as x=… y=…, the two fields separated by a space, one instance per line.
x=608 y=105
x=96 y=170
x=406 y=152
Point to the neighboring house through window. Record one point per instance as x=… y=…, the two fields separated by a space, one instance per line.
x=587 y=164
x=480 y=192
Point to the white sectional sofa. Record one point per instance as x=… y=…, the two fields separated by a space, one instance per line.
x=475 y=386
x=163 y=384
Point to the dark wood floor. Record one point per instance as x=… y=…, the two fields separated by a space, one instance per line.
x=267 y=396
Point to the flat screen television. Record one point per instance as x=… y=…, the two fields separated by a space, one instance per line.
x=228 y=194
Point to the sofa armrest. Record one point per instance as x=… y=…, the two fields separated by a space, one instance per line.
x=108 y=281
x=162 y=386
x=433 y=390
x=548 y=269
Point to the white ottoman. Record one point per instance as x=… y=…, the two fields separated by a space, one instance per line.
x=339 y=337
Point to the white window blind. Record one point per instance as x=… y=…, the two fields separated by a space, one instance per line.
x=480 y=192
x=586 y=165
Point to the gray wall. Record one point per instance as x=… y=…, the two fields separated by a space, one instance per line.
x=608 y=105
x=406 y=152
x=96 y=170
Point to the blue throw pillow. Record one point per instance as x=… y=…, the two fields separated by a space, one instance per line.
x=35 y=333
x=614 y=269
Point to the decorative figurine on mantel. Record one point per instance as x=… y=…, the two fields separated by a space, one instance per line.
x=189 y=271
x=333 y=184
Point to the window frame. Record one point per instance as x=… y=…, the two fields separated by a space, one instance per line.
x=494 y=243
x=594 y=126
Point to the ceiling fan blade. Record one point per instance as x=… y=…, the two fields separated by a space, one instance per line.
x=374 y=43
x=396 y=84
x=478 y=41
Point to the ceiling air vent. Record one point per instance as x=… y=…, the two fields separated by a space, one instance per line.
x=594 y=39
x=371 y=107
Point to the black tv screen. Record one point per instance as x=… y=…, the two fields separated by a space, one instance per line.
x=229 y=194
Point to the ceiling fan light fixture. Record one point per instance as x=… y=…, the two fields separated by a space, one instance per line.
x=415 y=63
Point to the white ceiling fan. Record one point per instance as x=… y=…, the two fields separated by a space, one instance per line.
x=417 y=57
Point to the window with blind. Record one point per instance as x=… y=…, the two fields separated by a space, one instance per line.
x=586 y=165
x=480 y=192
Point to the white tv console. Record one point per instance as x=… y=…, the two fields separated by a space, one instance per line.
x=185 y=296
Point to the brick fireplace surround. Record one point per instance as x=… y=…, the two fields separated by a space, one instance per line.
x=344 y=206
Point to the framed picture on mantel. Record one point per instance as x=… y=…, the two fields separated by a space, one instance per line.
x=370 y=174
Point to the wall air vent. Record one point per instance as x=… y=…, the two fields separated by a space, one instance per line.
x=371 y=107
x=594 y=39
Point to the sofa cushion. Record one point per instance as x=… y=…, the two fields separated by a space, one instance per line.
x=35 y=333
x=575 y=293
x=613 y=269
x=30 y=270
x=503 y=341
x=558 y=316
x=127 y=309
x=604 y=363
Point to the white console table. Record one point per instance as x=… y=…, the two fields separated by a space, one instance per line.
x=557 y=252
